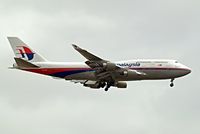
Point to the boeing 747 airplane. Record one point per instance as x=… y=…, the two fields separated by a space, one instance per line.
x=96 y=72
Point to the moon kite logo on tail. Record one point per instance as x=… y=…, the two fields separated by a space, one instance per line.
x=25 y=52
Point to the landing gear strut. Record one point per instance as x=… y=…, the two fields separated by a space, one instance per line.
x=107 y=87
x=172 y=82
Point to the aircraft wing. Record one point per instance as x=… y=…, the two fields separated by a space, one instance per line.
x=104 y=70
x=86 y=54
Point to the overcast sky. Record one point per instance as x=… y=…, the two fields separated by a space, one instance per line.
x=114 y=30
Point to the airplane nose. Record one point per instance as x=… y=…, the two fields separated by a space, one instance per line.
x=188 y=70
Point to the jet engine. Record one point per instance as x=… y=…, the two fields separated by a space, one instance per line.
x=109 y=66
x=94 y=84
x=124 y=73
x=120 y=84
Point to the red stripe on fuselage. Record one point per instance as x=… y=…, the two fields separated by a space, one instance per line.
x=48 y=71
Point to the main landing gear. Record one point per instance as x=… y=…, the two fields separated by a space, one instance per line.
x=108 y=85
x=172 y=82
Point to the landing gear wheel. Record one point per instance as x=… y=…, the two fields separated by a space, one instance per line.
x=172 y=83
x=107 y=87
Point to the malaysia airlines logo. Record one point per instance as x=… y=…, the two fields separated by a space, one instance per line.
x=25 y=52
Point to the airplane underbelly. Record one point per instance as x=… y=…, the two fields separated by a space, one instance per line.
x=150 y=75
x=81 y=76
x=159 y=74
x=163 y=74
x=154 y=74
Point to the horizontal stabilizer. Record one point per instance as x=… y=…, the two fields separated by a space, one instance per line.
x=24 y=64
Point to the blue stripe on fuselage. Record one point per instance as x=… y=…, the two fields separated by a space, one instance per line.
x=66 y=73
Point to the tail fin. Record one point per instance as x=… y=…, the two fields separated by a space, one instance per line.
x=23 y=51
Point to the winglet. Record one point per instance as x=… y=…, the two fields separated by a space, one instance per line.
x=86 y=54
x=75 y=46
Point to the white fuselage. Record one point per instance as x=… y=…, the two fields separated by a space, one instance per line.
x=154 y=69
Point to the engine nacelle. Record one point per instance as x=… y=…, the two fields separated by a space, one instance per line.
x=109 y=66
x=94 y=84
x=121 y=84
x=124 y=73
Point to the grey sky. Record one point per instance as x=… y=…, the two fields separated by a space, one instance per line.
x=114 y=30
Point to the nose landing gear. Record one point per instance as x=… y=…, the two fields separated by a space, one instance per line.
x=172 y=82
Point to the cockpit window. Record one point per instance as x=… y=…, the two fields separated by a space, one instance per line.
x=176 y=61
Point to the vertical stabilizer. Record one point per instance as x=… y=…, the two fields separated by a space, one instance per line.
x=23 y=51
